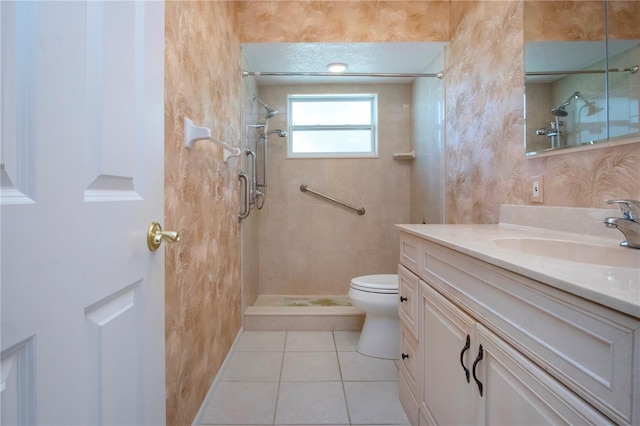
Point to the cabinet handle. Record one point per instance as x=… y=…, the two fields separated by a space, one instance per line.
x=466 y=347
x=475 y=363
x=402 y=299
x=405 y=356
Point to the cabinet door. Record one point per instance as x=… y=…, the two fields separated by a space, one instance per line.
x=447 y=397
x=517 y=392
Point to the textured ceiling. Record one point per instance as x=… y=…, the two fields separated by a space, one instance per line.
x=408 y=57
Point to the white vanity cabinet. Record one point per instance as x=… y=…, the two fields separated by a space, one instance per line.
x=471 y=376
x=548 y=357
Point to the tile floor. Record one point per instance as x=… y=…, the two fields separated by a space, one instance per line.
x=304 y=378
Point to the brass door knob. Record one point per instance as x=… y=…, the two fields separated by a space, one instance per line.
x=155 y=236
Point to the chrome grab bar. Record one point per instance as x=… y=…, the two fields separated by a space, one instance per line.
x=359 y=210
x=246 y=207
x=254 y=185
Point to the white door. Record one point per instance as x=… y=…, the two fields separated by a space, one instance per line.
x=81 y=130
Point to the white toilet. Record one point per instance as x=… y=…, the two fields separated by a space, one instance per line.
x=377 y=297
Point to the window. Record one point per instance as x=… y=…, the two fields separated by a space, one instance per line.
x=332 y=126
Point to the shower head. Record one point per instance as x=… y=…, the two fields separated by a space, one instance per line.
x=560 y=110
x=592 y=108
x=270 y=111
x=281 y=133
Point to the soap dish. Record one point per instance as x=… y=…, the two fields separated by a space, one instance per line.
x=404 y=155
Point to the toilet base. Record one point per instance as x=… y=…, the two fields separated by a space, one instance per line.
x=380 y=337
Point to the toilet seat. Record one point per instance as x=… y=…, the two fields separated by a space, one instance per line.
x=381 y=284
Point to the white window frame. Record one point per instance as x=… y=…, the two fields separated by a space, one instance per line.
x=373 y=151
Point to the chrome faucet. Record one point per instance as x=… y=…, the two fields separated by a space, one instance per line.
x=629 y=225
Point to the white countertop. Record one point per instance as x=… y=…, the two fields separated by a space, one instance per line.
x=614 y=287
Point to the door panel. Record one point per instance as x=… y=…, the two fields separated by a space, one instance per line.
x=114 y=100
x=17 y=130
x=114 y=341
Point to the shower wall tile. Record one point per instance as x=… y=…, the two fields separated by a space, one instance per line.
x=376 y=262
x=335 y=230
x=330 y=280
x=289 y=227
x=342 y=21
x=392 y=215
x=202 y=284
x=538 y=104
x=311 y=246
x=358 y=180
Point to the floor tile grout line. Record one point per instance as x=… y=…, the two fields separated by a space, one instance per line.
x=284 y=349
x=344 y=391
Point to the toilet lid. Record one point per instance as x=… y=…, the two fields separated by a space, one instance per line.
x=382 y=283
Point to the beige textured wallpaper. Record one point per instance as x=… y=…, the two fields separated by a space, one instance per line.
x=484 y=153
x=579 y=20
x=567 y=20
x=342 y=21
x=623 y=18
x=203 y=314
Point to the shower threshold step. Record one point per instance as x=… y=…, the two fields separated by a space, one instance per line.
x=303 y=313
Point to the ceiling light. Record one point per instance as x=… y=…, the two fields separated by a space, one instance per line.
x=337 y=67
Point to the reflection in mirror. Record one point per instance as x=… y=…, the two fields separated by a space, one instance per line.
x=571 y=99
x=565 y=94
x=624 y=88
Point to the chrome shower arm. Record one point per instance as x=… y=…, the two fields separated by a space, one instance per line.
x=270 y=111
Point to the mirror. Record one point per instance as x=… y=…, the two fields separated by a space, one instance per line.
x=571 y=98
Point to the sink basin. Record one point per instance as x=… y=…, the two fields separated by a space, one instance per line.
x=616 y=256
